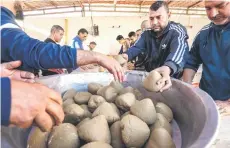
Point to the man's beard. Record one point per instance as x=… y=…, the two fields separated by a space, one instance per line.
x=19 y=11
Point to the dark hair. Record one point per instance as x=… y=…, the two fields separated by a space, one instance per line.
x=93 y=43
x=158 y=4
x=138 y=30
x=119 y=37
x=56 y=27
x=82 y=30
x=132 y=33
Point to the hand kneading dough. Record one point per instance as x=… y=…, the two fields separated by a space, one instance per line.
x=125 y=101
x=64 y=136
x=73 y=114
x=94 y=102
x=69 y=94
x=37 y=138
x=116 y=140
x=108 y=111
x=160 y=138
x=117 y=85
x=82 y=97
x=144 y=110
x=97 y=145
x=164 y=110
x=150 y=82
x=94 y=87
x=87 y=113
x=96 y=129
x=163 y=123
x=134 y=131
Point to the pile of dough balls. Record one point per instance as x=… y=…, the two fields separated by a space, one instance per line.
x=108 y=117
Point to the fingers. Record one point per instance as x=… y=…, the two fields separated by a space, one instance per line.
x=53 y=95
x=166 y=81
x=119 y=72
x=115 y=74
x=56 y=111
x=44 y=121
x=168 y=84
x=12 y=65
x=26 y=75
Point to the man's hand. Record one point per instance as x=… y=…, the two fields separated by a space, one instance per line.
x=112 y=66
x=35 y=103
x=8 y=70
x=165 y=72
x=90 y=57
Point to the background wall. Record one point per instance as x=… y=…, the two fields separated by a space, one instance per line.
x=39 y=27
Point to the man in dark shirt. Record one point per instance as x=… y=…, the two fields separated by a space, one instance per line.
x=124 y=44
x=133 y=37
x=56 y=35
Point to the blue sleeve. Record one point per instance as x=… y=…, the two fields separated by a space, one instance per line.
x=178 y=50
x=137 y=48
x=5 y=101
x=17 y=45
x=194 y=59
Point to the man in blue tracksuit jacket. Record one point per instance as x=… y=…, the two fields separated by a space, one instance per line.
x=34 y=54
x=211 y=48
x=165 y=45
x=77 y=41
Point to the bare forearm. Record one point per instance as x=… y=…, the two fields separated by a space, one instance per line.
x=87 y=57
x=188 y=75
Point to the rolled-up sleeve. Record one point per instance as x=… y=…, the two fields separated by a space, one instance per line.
x=5 y=101
x=17 y=45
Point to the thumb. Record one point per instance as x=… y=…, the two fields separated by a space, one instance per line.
x=12 y=65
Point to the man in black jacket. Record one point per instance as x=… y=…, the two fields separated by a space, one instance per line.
x=56 y=35
x=165 y=44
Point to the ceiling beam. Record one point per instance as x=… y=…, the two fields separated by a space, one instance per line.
x=29 y=6
x=115 y=2
x=80 y=3
x=142 y=2
x=53 y=3
x=194 y=4
x=169 y=2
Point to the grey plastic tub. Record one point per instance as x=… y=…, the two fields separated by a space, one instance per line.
x=196 y=118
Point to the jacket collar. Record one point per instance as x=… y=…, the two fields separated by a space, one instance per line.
x=221 y=27
x=7 y=16
x=163 y=32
